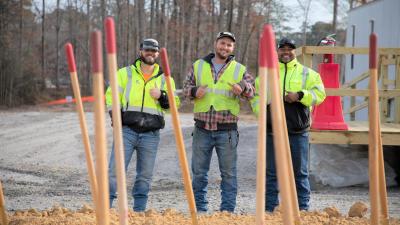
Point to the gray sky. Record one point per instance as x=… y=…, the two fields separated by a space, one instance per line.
x=320 y=10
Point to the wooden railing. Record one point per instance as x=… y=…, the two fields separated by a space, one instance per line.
x=389 y=88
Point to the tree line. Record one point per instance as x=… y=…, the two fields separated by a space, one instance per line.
x=33 y=32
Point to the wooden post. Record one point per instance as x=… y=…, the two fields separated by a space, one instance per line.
x=291 y=214
x=262 y=124
x=82 y=121
x=307 y=57
x=179 y=137
x=3 y=213
x=117 y=124
x=102 y=212
x=384 y=101
x=397 y=87
x=352 y=104
x=377 y=184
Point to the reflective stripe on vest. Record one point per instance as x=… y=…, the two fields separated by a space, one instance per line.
x=162 y=81
x=120 y=90
x=200 y=70
x=129 y=84
x=138 y=108
x=318 y=87
x=305 y=76
x=237 y=70
x=314 y=97
x=226 y=93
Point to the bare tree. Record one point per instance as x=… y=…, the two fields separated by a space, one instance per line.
x=198 y=24
x=157 y=18
x=222 y=9
x=20 y=55
x=151 y=31
x=141 y=19
x=334 y=20
x=230 y=15
x=186 y=27
x=165 y=29
x=57 y=45
x=182 y=30
x=189 y=36
x=119 y=24
x=213 y=20
x=88 y=27
x=102 y=11
x=242 y=25
x=128 y=31
x=305 y=7
x=43 y=43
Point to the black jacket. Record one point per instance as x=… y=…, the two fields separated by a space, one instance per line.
x=297 y=117
x=297 y=114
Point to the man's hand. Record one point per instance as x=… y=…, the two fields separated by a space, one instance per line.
x=155 y=92
x=236 y=89
x=291 y=97
x=201 y=91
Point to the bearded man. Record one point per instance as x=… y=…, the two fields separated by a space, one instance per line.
x=143 y=99
x=215 y=83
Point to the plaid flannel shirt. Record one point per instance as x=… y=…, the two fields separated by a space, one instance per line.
x=212 y=118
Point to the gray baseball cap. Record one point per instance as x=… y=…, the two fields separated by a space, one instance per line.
x=226 y=34
x=149 y=43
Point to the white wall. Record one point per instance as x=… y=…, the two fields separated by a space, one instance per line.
x=386 y=16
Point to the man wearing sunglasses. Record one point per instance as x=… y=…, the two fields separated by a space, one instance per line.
x=215 y=83
x=143 y=100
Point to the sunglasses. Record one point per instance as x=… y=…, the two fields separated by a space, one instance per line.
x=150 y=50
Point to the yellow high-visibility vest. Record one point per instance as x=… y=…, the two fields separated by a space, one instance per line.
x=219 y=94
x=298 y=78
x=134 y=91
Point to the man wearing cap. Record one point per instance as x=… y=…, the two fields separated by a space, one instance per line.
x=301 y=88
x=216 y=82
x=143 y=99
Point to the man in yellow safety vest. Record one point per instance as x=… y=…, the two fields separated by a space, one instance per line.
x=143 y=99
x=216 y=82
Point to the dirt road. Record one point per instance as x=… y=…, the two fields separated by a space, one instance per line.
x=42 y=164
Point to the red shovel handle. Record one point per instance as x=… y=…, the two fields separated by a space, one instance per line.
x=96 y=52
x=373 y=51
x=164 y=62
x=110 y=36
x=70 y=57
x=269 y=48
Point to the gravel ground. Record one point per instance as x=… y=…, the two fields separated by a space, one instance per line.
x=42 y=163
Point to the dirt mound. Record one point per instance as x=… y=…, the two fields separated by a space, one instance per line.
x=86 y=215
x=359 y=209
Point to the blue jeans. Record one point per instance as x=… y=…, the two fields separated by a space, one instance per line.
x=146 y=145
x=225 y=144
x=299 y=151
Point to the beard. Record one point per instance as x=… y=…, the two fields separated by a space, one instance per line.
x=149 y=60
x=222 y=56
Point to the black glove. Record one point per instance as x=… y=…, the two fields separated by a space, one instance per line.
x=163 y=100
